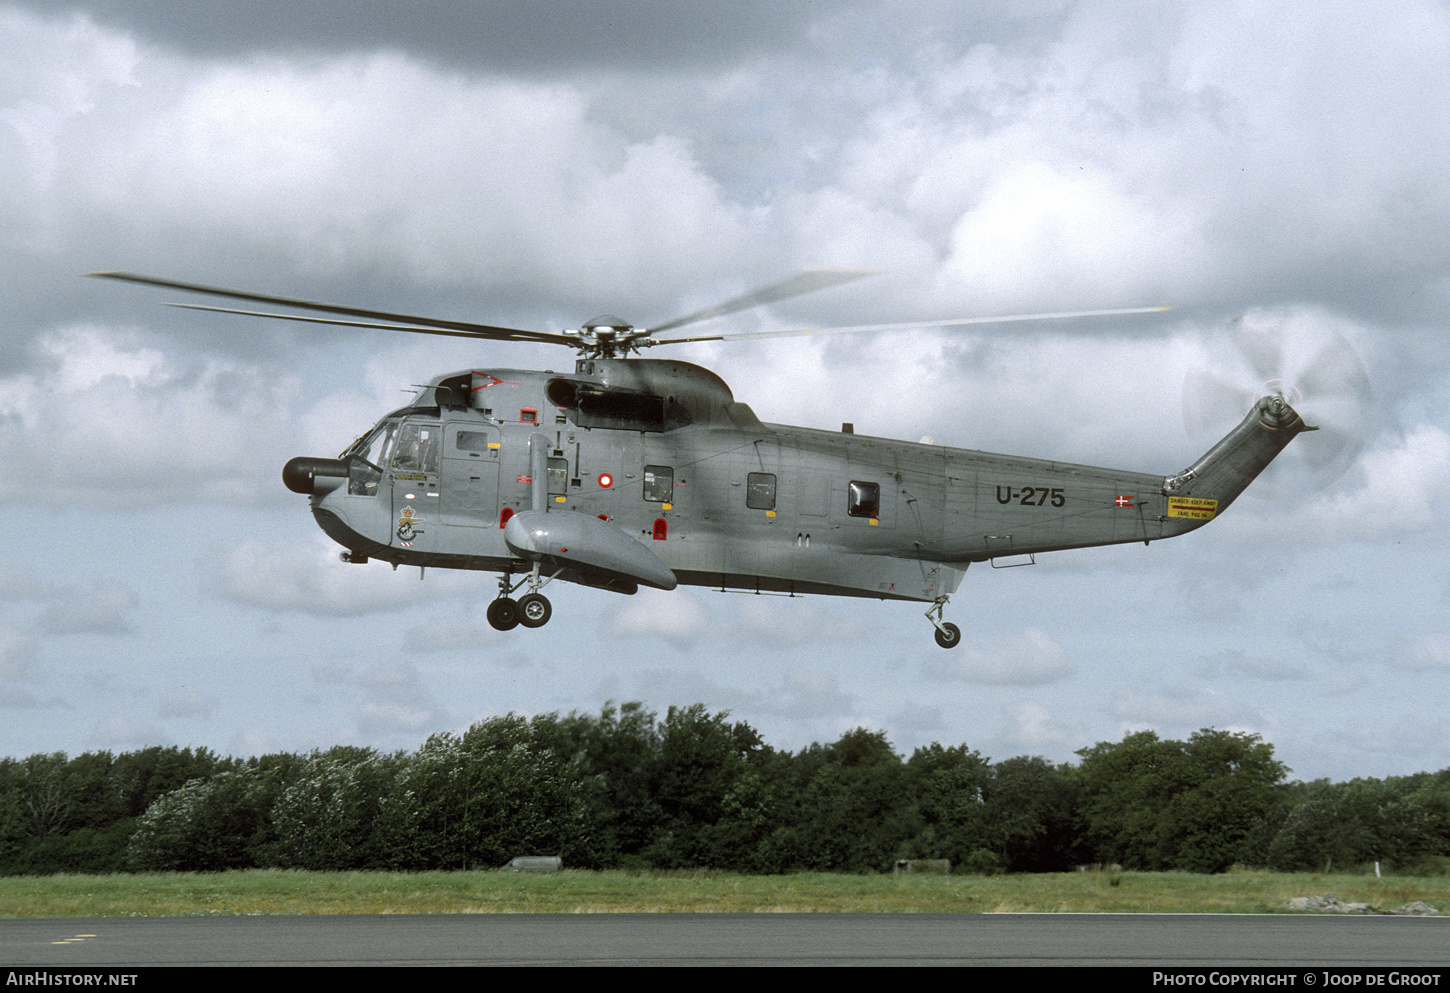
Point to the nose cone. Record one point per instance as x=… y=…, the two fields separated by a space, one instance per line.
x=309 y=475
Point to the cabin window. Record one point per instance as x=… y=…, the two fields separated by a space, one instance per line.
x=760 y=491
x=471 y=441
x=659 y=483
x=865 y=500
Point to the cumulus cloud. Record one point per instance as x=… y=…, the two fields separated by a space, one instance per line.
x=1238 y=664
x=182 y=701
x=677 y=617
x=101 y=609
x=1423 y=653
x=797 y=621
x=105 y=419
x=1034 y=728
x=16 y=648
x=392 y=698
x=462 y=633
x=98 y=608
x=377 y=162
x=1176 y=711
x=125 y=732
x=54 y=71
x=307 y=576
x=1031 y=658
x=1022 y=159
x=816 y=697
x=1406 y=478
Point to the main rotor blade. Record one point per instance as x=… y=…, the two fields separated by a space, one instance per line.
x=532 y=336
x=463 y=328
x=910 y=325
x=802 y=282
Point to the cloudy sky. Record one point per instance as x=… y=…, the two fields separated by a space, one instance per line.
x=1278 y=167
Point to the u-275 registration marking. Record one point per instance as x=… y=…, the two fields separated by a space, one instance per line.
x=1031 y=496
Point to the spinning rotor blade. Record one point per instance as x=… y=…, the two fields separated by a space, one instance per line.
x=615 y=344
x=424 y=325
x=557 y=339
x=1312 y=367
x=802 y=282
x=955 y=322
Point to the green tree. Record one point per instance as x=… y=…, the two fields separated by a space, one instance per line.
x=481 y=798
x=1400 y=822
x=205 y=826
x=1031 y=815
x=715 y=806
x=324 y=818
x=614 y=757
x=946 y=788
x=849 y=809
x=1195 y=805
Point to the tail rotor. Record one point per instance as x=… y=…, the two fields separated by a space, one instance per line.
x=1298 y=357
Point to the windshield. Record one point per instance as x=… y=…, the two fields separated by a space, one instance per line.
x=366 y=458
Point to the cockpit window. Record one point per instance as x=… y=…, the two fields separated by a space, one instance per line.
x=365 y=460
x=417 y=449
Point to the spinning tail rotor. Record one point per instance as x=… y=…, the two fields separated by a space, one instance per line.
x=1313 y=368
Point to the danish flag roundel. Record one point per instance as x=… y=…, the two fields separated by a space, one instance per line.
x=605 y=480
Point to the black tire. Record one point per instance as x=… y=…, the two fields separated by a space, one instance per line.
x=949 y=635
x=503 y=614
x=534 y=610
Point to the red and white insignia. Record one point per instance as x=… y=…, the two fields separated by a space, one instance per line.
x=1124 y=501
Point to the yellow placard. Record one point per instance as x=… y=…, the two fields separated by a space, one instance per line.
x=1194 y=508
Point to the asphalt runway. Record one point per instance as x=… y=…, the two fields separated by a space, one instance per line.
x=1206 y=941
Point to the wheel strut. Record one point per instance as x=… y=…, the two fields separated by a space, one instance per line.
x=948 y=635
x=532 y=610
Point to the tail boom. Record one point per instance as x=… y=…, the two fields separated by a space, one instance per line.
x=1226 y=469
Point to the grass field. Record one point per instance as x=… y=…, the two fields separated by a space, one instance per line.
x=580 y=892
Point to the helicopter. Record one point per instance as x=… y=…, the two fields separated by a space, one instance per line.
x=634 y=471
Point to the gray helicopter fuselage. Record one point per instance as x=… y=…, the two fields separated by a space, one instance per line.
x=664 y=457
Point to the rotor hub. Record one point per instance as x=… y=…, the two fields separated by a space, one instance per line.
x=607 y=336
x=607 y=324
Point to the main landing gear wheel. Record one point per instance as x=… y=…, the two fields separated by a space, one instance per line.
x=949 y=635
x=504 y=614
x=534 y=610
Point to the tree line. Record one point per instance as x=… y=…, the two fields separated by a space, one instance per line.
x=627 y=788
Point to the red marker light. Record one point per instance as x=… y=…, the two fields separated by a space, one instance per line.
x=605 y=480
